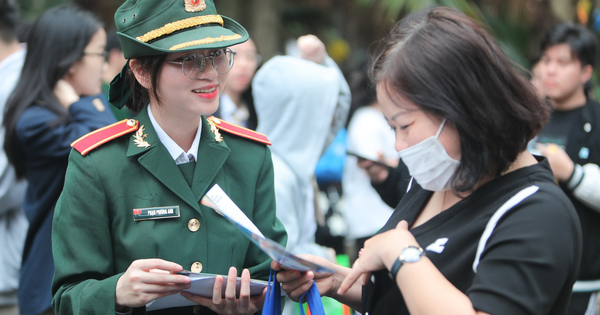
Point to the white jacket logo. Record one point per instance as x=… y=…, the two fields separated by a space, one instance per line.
x=438 y=245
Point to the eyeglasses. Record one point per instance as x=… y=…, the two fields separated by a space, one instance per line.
x=103 y=54
x=193 y=65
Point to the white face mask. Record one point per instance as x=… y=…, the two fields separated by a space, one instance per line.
x=429 y=163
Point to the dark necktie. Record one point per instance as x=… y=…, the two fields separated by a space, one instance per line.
x=187 y=169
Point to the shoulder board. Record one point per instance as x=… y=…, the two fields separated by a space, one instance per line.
x=100 y=136
x=239 y=131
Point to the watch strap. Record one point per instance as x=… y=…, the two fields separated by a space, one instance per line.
x=395 y=267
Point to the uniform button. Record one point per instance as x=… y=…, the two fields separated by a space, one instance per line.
x=194 y=225
x=130 y=122
x=196 y=267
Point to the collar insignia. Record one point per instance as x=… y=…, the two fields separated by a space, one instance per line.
x=212 y=121
x=139 y=138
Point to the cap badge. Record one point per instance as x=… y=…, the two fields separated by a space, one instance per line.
x=139 y=138
x=194 y=5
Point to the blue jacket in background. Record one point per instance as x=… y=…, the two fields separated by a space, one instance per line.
x=46 y=146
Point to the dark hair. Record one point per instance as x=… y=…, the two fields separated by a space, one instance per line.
x=9 y=19
x=112 y=40
x=363 y=90
x=448 y=66
x=583 y=43
x=140 y=96
x=247 y=97
x=56 y=41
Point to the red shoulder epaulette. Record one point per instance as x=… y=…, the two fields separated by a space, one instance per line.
x=240 y=131
x=100 y=136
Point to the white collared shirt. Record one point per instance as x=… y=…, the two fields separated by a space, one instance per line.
x=174 y=149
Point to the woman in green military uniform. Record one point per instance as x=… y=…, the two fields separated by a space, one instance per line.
x=113 y=252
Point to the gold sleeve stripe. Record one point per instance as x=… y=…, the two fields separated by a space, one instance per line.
x=208 y=40
x=99 y=130
x=180 y=25
x=247 y=136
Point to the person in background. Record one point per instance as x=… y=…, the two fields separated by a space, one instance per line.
x=13 y=223
x=388 y=179
x=114 y=63
x=368 y=136
x=108 y=240
x=483 y=228
x=301 y=104
x=391 y=183
x=571 y=141
x=236 y=104
x=51 y=106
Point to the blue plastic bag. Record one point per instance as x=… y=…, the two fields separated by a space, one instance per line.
x=272 y=305
x=331 y=164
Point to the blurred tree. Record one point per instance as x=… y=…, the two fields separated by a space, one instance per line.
x=266 y=25
x=564 y=10
x=516 y=24
x=32 y=8
x=105 y=9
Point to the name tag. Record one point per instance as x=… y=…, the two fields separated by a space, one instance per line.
x=156 y=213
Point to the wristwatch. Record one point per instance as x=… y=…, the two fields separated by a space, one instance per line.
x=409 y=254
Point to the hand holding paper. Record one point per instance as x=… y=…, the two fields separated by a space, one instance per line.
x=141 y=283
x=213 y=290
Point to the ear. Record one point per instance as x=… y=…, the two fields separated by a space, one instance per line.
x=141 y=76
x=586 y=73
x=74 y=67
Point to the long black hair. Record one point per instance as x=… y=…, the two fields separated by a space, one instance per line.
x=56 y=42
x=449 y=67
x=9 y=19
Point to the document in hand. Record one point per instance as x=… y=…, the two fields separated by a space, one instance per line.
x=217 y=199
x=202 y=284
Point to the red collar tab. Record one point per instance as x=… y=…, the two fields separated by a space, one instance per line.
x=239 y=131
x=100 y=136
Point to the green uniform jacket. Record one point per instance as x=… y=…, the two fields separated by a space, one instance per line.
x=95 y=238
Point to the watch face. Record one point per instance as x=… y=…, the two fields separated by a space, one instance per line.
x=411 y=254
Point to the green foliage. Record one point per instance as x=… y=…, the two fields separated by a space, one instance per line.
x=391 y=9
x=512 y=34
x=31 y=9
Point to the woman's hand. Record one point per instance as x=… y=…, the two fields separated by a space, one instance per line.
x=296 y=283
x=147 y=280
x=560 y=162
x=65 y=93
x=379 y=252
x=245 y=304
x=311 y=48
x=377 y=173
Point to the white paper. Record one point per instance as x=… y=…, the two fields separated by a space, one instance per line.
x=217 y=199
x=202 y=284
